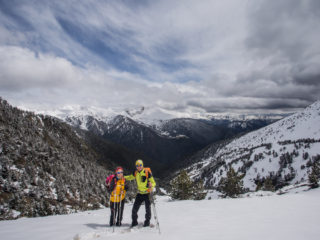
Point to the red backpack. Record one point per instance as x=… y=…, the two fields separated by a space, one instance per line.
x=109 y=179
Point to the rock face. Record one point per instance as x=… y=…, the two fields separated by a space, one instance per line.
x=279 y=154
x=45 y=168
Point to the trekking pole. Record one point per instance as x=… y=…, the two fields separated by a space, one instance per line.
x=114 y=209
x=154 y=211
x=120 y=208
x=110 y=207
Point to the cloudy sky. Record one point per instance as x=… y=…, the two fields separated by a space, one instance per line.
x=197 y=56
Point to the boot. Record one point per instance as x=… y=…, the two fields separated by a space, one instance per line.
x=118 y=224
x=146 y=223
x=133 y=224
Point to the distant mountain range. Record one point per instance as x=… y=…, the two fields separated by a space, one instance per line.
x=165 y=144
x=148 y=115
x=283 y=153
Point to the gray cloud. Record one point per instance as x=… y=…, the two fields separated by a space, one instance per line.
x=246 y=105
x=282 y=42
x=208 y=56
x=307 y=74
x=289 y=28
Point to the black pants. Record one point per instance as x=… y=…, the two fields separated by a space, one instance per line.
x=140 y=198
x=116 y=212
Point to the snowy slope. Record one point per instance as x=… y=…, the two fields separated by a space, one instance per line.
x=290 y=216
x=45 y=168
x=283 y=151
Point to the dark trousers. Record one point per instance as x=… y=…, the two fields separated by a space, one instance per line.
x=140 y=198
x=116 y=212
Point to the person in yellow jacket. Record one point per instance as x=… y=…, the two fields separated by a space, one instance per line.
x=117 y=187
x=145 y=183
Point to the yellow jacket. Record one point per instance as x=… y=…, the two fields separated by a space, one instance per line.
x=118 y=193
x=142 y=180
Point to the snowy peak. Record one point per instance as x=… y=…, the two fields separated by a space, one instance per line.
x=283 y=151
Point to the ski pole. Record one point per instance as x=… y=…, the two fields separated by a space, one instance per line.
x=155 y=212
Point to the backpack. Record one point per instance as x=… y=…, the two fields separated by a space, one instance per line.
x=147 y=171
x=109 y=179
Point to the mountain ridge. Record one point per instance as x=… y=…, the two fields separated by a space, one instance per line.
x=283 y=152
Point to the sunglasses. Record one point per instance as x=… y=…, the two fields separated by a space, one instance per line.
x=119 y=172
x=139 y=165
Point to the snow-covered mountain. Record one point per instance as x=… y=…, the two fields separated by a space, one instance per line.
x=163 y=141
x=164 y=137
x=148 y=115
x=167 y=124
x=283 y=152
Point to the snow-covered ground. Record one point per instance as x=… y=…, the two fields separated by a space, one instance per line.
x=290 y=216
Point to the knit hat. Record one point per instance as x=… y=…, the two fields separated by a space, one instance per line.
x=118 y=168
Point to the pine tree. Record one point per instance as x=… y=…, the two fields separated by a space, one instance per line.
x=199 y=192
x=182 y=186
x=314 y=176
x=268 y=185
x=231 y=185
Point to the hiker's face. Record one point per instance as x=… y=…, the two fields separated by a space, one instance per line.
x=120 y=173
x=139 y=167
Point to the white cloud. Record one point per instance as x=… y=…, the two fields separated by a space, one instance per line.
x=22 y=69
x=188 y=55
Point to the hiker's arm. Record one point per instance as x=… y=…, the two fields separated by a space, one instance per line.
x=153 y=182
x=130 y=177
